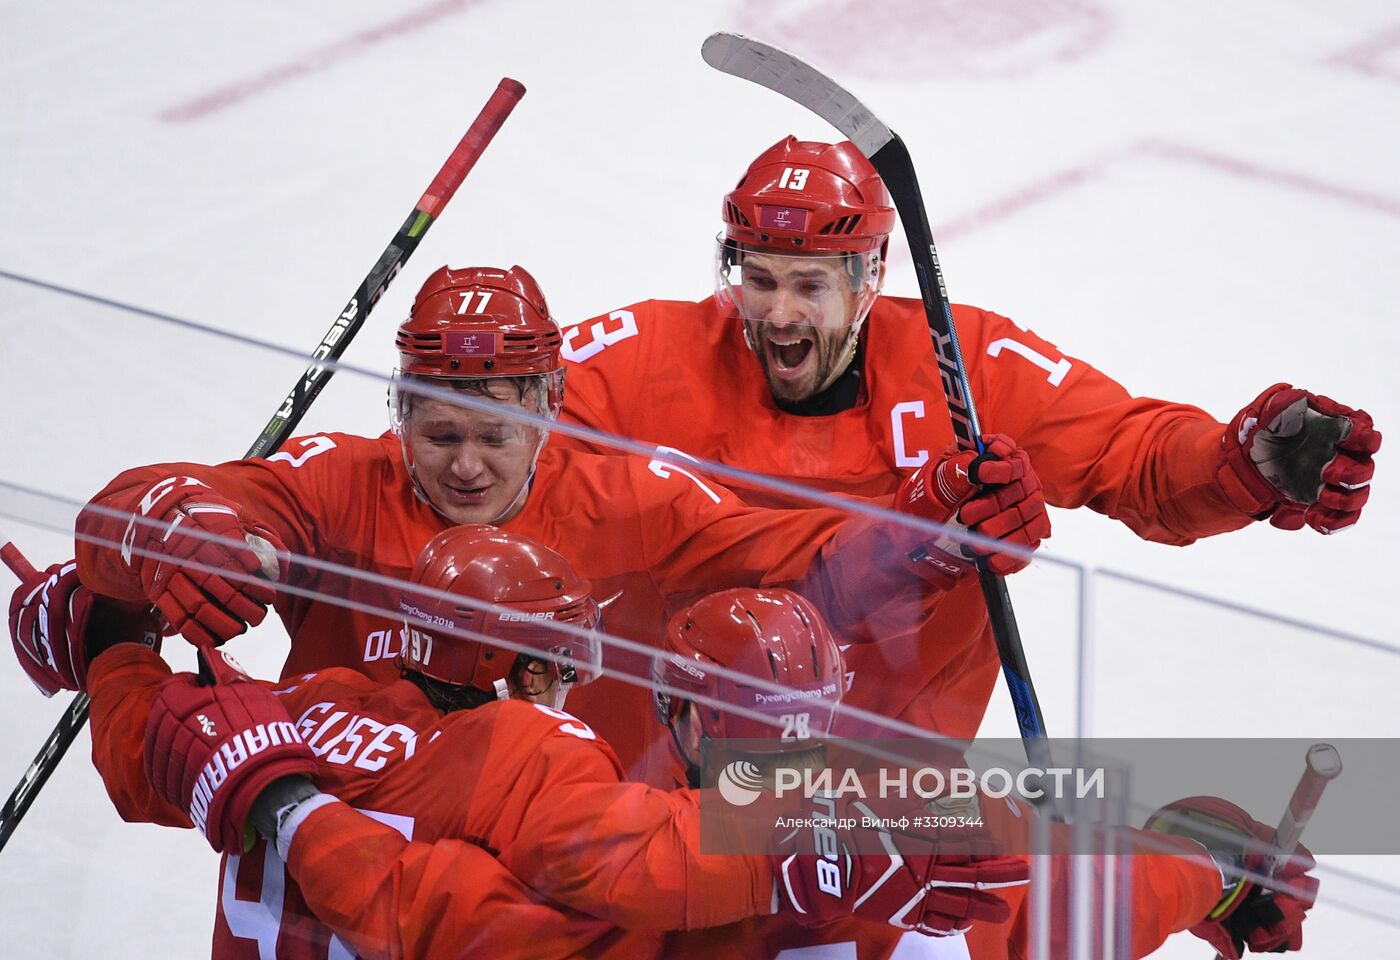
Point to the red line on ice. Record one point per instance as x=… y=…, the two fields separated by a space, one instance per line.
x=1375 y=202
x=1369 y=57
x=316 y=60
x=1013 y=203
x=1052 y=186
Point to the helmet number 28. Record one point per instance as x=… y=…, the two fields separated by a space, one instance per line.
x=796 y=726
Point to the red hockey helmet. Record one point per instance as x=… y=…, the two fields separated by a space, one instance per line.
x=481 y=322
x=530 y=589
x=773 y=635
x=805 y=196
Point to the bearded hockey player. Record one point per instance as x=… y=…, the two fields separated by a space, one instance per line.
x=799 y=368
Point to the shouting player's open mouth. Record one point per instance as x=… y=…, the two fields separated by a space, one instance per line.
x=789 y=355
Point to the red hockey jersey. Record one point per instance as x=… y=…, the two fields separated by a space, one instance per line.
x=534 y=787
x=680 y=375
x=649 y=534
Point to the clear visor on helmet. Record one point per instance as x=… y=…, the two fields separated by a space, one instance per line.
x=535 y=393
x=575 y=656
x=569 y=660
x=823 y=291
x=560 y=654
x=484 y=414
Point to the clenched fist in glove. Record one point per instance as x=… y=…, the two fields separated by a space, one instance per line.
x=1305 y=457
x=937 y=881
x=57 y=626
x=996 y=494
x=1267 y=921
x=201 y=562
x=212 y=750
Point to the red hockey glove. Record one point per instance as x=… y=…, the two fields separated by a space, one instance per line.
x=1268 y=921
x=1306 y=457
x=199 y=560
x=997 y=495
x=211 y=750
x=936 y=881
x=57 y=626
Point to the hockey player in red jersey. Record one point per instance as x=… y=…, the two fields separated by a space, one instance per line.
x=500 y=629
x=1174 y=885
x=799 y=368
x=429 y=898
x=479 y=357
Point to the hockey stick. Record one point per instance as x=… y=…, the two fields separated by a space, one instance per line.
x=17 y=562
x=783 y=73
x=1323 y=764
x=463 y=157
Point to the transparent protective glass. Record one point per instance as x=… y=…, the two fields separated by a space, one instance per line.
x=653 y=528
x=1234 y=702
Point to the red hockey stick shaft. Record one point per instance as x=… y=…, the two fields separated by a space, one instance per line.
x=1323 y=765
x=308 y=386
x=463 y=157
x=16 y=561
x=471 y=146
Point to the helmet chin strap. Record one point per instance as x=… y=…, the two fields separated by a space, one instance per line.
x=553 y=698
x=511 y=507
x=848 y=351
x=875 y=279
x=519 y=499
x=692 y=769
x=398 y=421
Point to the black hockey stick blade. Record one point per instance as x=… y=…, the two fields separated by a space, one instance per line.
x=783 y=73
x=308 y=386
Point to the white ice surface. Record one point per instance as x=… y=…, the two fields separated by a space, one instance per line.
x=1199 y=198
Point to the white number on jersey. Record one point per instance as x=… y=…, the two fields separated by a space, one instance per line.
x=1056 y=370
x=262 y=920
x=911 y=946
x=582 y=342
x=572 y=725
x=821 y=951
x=664 y=470
x=311 y=447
